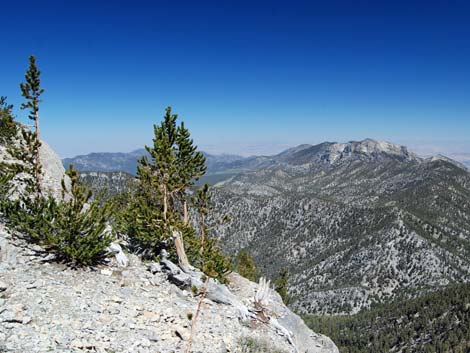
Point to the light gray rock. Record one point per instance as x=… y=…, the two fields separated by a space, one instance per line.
x=8 y=253
x=83 y=310
x=154 y=267
x=119 y=255
x=52 y=171
x=304 y=339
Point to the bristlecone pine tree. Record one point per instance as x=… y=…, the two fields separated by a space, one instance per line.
x=73 y=228
x=175 y=164
x=31 y=90
x=158 y=214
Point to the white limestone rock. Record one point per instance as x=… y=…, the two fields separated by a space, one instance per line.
x=52 y=171
x=131 y=310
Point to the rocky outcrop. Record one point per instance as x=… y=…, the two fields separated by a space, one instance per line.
x=52 y=170
x=47 y=307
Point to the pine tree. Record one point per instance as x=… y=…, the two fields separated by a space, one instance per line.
x=159 y=211
x=175 y=164
x=246 y=266
x=203 y=250
x=83 y=223
x=8 y=126
x=201 y=203
x=281 y=284
x=31 y=90
x=191 y=167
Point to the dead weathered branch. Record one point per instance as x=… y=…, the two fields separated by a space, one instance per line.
x=182 y=258
x=194 y=319
x=219 y=293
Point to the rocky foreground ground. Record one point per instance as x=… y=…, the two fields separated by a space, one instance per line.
x=48 y=307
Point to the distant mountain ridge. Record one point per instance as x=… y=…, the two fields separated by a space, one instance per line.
x=127 y=162
x=327 y=152
x=107 y=161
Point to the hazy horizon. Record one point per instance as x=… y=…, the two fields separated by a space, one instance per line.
x=455 y=151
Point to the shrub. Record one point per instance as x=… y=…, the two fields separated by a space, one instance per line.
x=8 y=127
x=204 y=254
x=281 y=285
x=141 y=223
x=246 y=266
x=73 y=229
x=256 y=345
x=5 y=190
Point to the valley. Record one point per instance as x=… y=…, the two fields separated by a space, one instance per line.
x=359 y=226
x=356 y=224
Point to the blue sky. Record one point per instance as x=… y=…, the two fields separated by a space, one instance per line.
x=246 y=76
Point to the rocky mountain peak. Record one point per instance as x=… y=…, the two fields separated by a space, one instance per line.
x=373 y=148
x=333 y=152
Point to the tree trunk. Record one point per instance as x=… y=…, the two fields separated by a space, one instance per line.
x=203 y=233
x=182 y=258
x=185 y=212
x=165 y=203
x=37 y=156
x=37 y=125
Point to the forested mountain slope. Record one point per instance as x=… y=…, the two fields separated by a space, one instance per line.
x=111 y=183
x=354 y=223
x=436 y=322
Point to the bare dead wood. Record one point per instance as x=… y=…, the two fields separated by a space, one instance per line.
x=261 y=301
x=165 y=202
x=194 y=319
x=185 y=212
x=182 y=258
x=219 y=293
x=216 y=292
